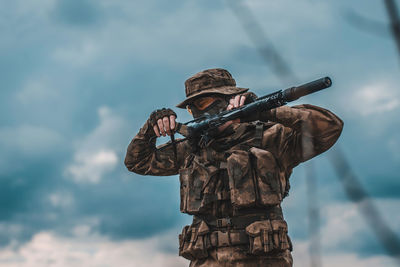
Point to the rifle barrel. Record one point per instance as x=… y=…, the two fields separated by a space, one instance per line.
x=200 y=126
x=295 y=93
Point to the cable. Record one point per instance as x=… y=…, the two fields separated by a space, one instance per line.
x=352 y=187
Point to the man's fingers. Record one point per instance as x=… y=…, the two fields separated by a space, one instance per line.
x=242 y=100
x=156 y=130
x=237 y=99
x=234 y=102
x=161 y=126
x=166 y=125
x=172 y=120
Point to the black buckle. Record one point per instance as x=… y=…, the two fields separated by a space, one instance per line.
x=224 y=222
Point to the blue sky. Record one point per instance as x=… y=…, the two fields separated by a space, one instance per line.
x=79 y=78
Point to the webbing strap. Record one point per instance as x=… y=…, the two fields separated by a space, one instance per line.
x=236 y=222
x=208 y=198
x=228 y=238
x=259 y=134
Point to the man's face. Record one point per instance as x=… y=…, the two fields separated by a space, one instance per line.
x=207 y=105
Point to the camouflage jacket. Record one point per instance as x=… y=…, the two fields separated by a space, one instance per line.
x=234 y=185
x=294 y=135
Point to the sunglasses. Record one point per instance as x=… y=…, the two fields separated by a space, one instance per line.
x=202 y=103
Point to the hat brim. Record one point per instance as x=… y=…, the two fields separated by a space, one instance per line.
x=224 y=90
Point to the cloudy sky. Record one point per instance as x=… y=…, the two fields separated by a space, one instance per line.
x=80 y=77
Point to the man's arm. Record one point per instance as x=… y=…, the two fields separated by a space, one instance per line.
x=302 y=132
x=143 y=157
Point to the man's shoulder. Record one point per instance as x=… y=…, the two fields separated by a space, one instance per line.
x=255 y=126
x=257 y=133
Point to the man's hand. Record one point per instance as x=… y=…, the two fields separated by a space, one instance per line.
x=234 y=102
x=163 y=121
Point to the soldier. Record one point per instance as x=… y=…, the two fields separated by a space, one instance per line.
x=234 y=184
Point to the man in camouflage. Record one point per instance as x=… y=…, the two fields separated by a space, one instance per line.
x=234 y=184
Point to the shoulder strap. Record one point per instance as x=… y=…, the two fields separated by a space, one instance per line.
x=259 y=134
x=189 y=160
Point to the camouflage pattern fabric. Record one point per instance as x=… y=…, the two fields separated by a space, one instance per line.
x=234 y=257
x=243 y=175
x=211 y=81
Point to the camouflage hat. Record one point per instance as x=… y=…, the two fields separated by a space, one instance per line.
x=212 y=81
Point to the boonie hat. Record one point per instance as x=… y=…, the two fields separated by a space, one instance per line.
x=211 y=81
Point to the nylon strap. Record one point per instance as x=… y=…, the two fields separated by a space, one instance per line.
x=228 y=238
x=259 y=134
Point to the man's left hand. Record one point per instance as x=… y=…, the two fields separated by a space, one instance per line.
x=235 y=102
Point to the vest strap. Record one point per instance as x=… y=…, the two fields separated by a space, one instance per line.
x=259 y=134
x=235 y=222
x=228 y=238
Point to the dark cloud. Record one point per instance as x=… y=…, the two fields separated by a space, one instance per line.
x=122 y=209
x=136 y=208
x=133 y=83
x=247 y=55
x=384 y=187
x=78 y=12
x=22 y=192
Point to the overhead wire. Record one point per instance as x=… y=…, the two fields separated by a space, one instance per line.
x=350 y=182
x=282 y=70
x=394 y=18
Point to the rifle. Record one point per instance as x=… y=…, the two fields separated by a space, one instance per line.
x=201 y=130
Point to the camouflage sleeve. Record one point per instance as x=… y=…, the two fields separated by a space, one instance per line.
x=143 y=157
x=302 y=132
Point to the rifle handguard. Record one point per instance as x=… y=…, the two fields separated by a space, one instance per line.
x=202 y=128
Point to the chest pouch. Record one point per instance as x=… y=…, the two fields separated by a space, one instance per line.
x=254 y=178
x=193 y=181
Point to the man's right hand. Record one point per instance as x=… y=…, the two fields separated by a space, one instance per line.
x=163 y=121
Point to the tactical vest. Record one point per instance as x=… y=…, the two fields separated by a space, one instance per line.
x=241 y=179
x=253 y=175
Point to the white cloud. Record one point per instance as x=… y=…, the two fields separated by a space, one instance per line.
x=340 y=218
x=31 y=140
x=344 y=222
x=78 y=54
x=343 y=228
x=61 y=199
x=96 y=153
x=286 y=13
x=393 y=145
x=186 y=32
x=92 y=250
x=12 y=229
x=371 y=109
x=342 y=259
x=373 y=99
x=49 y=249
x=138 y=33
x=90 y=166
x=38 y=90
x=35 y=10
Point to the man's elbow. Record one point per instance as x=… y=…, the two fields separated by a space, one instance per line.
x=337 y=128
x=129 y=164
x=332 y=135
x=133 y=165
